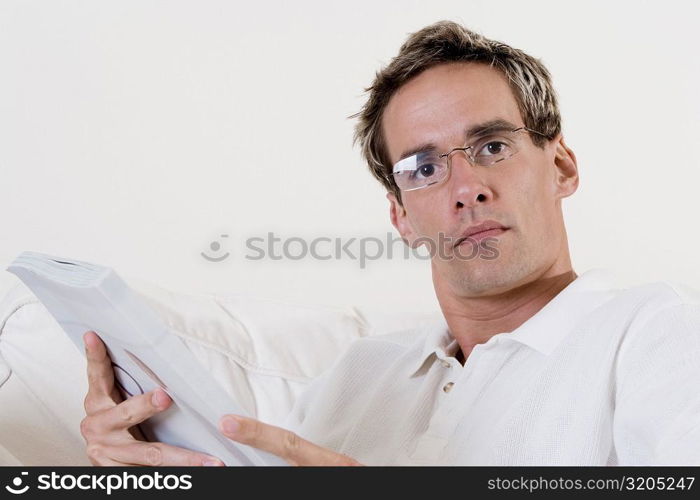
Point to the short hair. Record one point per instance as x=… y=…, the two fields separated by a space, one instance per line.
x=447 y=42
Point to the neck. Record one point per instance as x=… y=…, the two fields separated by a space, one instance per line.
x=474 y=320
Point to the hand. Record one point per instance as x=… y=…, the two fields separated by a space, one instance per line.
x=110 y=428
x=281 y=442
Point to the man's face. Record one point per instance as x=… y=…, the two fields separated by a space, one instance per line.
x=523 y=192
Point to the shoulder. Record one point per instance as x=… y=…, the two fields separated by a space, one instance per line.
x=346 y=386
x=400 y=339
x=389 y=347
x=662 y=337
x=659 y=297
x=662 y=305
x=367 y=360
x=626 y=313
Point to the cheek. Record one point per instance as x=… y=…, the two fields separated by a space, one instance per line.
x=426 y=223
x=421 y=213
x=535 y=200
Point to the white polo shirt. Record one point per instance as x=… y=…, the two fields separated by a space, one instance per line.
x=599 y=376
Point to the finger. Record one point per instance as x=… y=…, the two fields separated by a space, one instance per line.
x=100 y=376
x=97 y=402
x=97 y=456
x=121 y=421
x=102 y=393
x=158 y=454
x=281 y=442
x=135 y=410
x=100 y=455
x=107 y=462
x=99 y=365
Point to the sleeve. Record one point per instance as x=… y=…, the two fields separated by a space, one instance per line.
x=657 y=399
x=304 y=404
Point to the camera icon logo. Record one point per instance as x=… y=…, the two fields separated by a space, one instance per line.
x=17 y=483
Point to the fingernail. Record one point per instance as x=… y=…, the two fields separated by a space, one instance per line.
x=158 y=398
x=230 y=425
x=212 y=462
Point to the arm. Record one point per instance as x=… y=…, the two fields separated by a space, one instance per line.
x=657 y=404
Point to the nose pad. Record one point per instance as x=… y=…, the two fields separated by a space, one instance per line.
x=466 y=185
x=466 y=159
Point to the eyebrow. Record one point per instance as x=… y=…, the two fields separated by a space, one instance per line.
x=497 y=125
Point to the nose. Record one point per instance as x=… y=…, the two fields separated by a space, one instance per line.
x=467 y=185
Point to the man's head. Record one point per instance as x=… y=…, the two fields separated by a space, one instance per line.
x=445 y=81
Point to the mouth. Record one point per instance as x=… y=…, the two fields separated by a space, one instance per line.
x=482 y=231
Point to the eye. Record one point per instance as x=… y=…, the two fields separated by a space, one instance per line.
x=493 y=148
x=425 y=171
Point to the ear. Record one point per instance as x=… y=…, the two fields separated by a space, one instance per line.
x=567 y=180
x=399 y=219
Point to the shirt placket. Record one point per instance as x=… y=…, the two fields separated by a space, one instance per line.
x=458 y=388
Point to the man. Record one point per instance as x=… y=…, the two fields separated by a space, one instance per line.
x=532 y=365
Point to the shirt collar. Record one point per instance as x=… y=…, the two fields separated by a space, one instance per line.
x=546 y=328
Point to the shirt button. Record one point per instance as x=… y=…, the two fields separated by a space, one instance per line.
x=448 y=386
x=446 y=364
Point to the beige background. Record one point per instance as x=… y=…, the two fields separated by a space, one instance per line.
x=135 y=133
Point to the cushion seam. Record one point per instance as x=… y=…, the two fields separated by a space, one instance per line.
x=258 y=369
x=23 y=302
x=240 y=360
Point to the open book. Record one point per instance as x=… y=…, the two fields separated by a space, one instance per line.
x=144 y=353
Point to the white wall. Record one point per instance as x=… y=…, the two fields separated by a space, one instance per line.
x=134 y=133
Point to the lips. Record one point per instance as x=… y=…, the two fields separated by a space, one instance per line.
x=483 y=230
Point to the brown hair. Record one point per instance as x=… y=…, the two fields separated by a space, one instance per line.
x=445 y=42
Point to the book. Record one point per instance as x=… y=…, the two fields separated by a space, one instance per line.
x=145 y=354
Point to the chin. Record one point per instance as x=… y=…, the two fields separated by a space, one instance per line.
x=481 y=277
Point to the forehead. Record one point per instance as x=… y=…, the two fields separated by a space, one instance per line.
x=439 y=104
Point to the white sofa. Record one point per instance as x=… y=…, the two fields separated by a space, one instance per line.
x=262 y=352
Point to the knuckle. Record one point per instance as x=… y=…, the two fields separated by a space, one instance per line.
x=94 y=427
x=93 y=378
x=154 y=456
x=193 y=460
x=98 y=385
x=93 y=358
x=95 y=403
x=126 y=414
x=292 y=443
x=88 y=404
x=94 y=452
x=254 y=428
x=87 y=428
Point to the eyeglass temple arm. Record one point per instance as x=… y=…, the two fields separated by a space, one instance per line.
x=531 y=130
